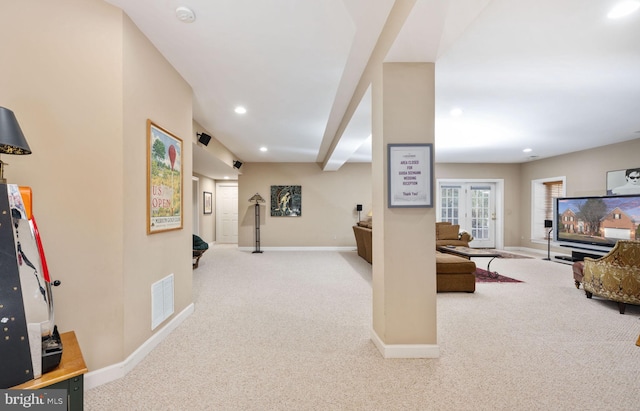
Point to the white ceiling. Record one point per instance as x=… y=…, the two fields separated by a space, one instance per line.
x=555 y=76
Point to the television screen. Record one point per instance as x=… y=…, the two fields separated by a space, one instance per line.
x=597 y=221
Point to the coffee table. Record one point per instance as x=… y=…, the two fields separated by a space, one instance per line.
x=469 y=252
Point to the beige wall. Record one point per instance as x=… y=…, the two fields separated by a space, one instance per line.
x=82 y=82
x=328 y=204
x=509 y=173
x=585 y=173
x=152 y=90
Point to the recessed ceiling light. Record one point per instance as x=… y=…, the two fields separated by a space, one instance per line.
x=263 y=149
x=623 y=9
x=527 y=150
x=226 y=177
x=185 y=14
x=240 y=110
x=456 y=112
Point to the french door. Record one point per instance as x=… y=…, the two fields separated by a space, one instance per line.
x=473 y=207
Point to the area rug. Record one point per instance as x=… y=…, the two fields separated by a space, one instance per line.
x=484 y=276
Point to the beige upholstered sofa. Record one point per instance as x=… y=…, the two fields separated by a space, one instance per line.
x=364 y=240
x=453 y=273
x=616 y=275
x=449 y=234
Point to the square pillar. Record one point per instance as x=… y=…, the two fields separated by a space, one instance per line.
x=404 y=268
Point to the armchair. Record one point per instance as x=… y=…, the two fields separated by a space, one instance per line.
x=199 y=247
x=616 y=275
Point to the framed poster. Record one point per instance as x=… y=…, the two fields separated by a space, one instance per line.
x=620 y=182
x=286 y=201
x=207 y=202
x=164 y=180
x=410 y=175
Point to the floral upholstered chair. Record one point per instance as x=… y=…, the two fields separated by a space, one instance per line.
x=616 y=275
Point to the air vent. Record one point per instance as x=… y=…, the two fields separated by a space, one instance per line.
x=161 y=300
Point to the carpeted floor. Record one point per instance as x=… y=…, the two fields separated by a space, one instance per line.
x=484 y=276
x=290 y=330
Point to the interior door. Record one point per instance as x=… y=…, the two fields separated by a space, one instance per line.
x=473 y=207
x=227 y=213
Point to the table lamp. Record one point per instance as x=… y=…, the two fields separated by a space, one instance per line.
x=12 y=140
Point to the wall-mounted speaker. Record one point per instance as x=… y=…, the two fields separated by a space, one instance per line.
x=237 y=164
x=204 y=138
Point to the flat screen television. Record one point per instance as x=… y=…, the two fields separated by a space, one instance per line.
x=596 y=222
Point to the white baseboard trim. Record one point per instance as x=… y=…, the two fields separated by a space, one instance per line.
x=113 y=372
x=353 y=248
x=405 y=350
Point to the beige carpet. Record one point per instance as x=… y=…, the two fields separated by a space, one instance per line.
x=288 y=330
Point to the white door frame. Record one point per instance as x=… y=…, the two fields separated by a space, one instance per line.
x=499 y=183
x=219 y=224
x=195 y=198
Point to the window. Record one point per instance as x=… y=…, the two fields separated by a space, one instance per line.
x=543 y=193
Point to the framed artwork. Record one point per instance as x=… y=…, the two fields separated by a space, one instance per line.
x=410 y=175
x=164 y=180
x=207 y=202
x=286 y=201
x=620 y=182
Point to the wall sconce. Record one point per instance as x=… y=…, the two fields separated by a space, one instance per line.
x=12 y=141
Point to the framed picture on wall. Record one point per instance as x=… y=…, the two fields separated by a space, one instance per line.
x=620 y=182
x=207 y=202
x=410 y=175
x=286 y=201
x=164 y=180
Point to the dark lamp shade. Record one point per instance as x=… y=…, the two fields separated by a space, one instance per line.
x=12 y=140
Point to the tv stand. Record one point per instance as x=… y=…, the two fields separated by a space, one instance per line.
x=577 y=255
x=580 y=255
x=564 y=258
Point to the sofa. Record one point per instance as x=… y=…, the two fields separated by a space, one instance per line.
x=616 y=275
x=453 y=273
x=364 y=240
x=449 y=234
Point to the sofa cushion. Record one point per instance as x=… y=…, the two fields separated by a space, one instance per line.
x=440 y=224
x=449 y=264
x=448 y=232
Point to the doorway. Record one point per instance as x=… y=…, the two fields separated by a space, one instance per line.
x=474 y=205
x=227 y=213
x=195 y=190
